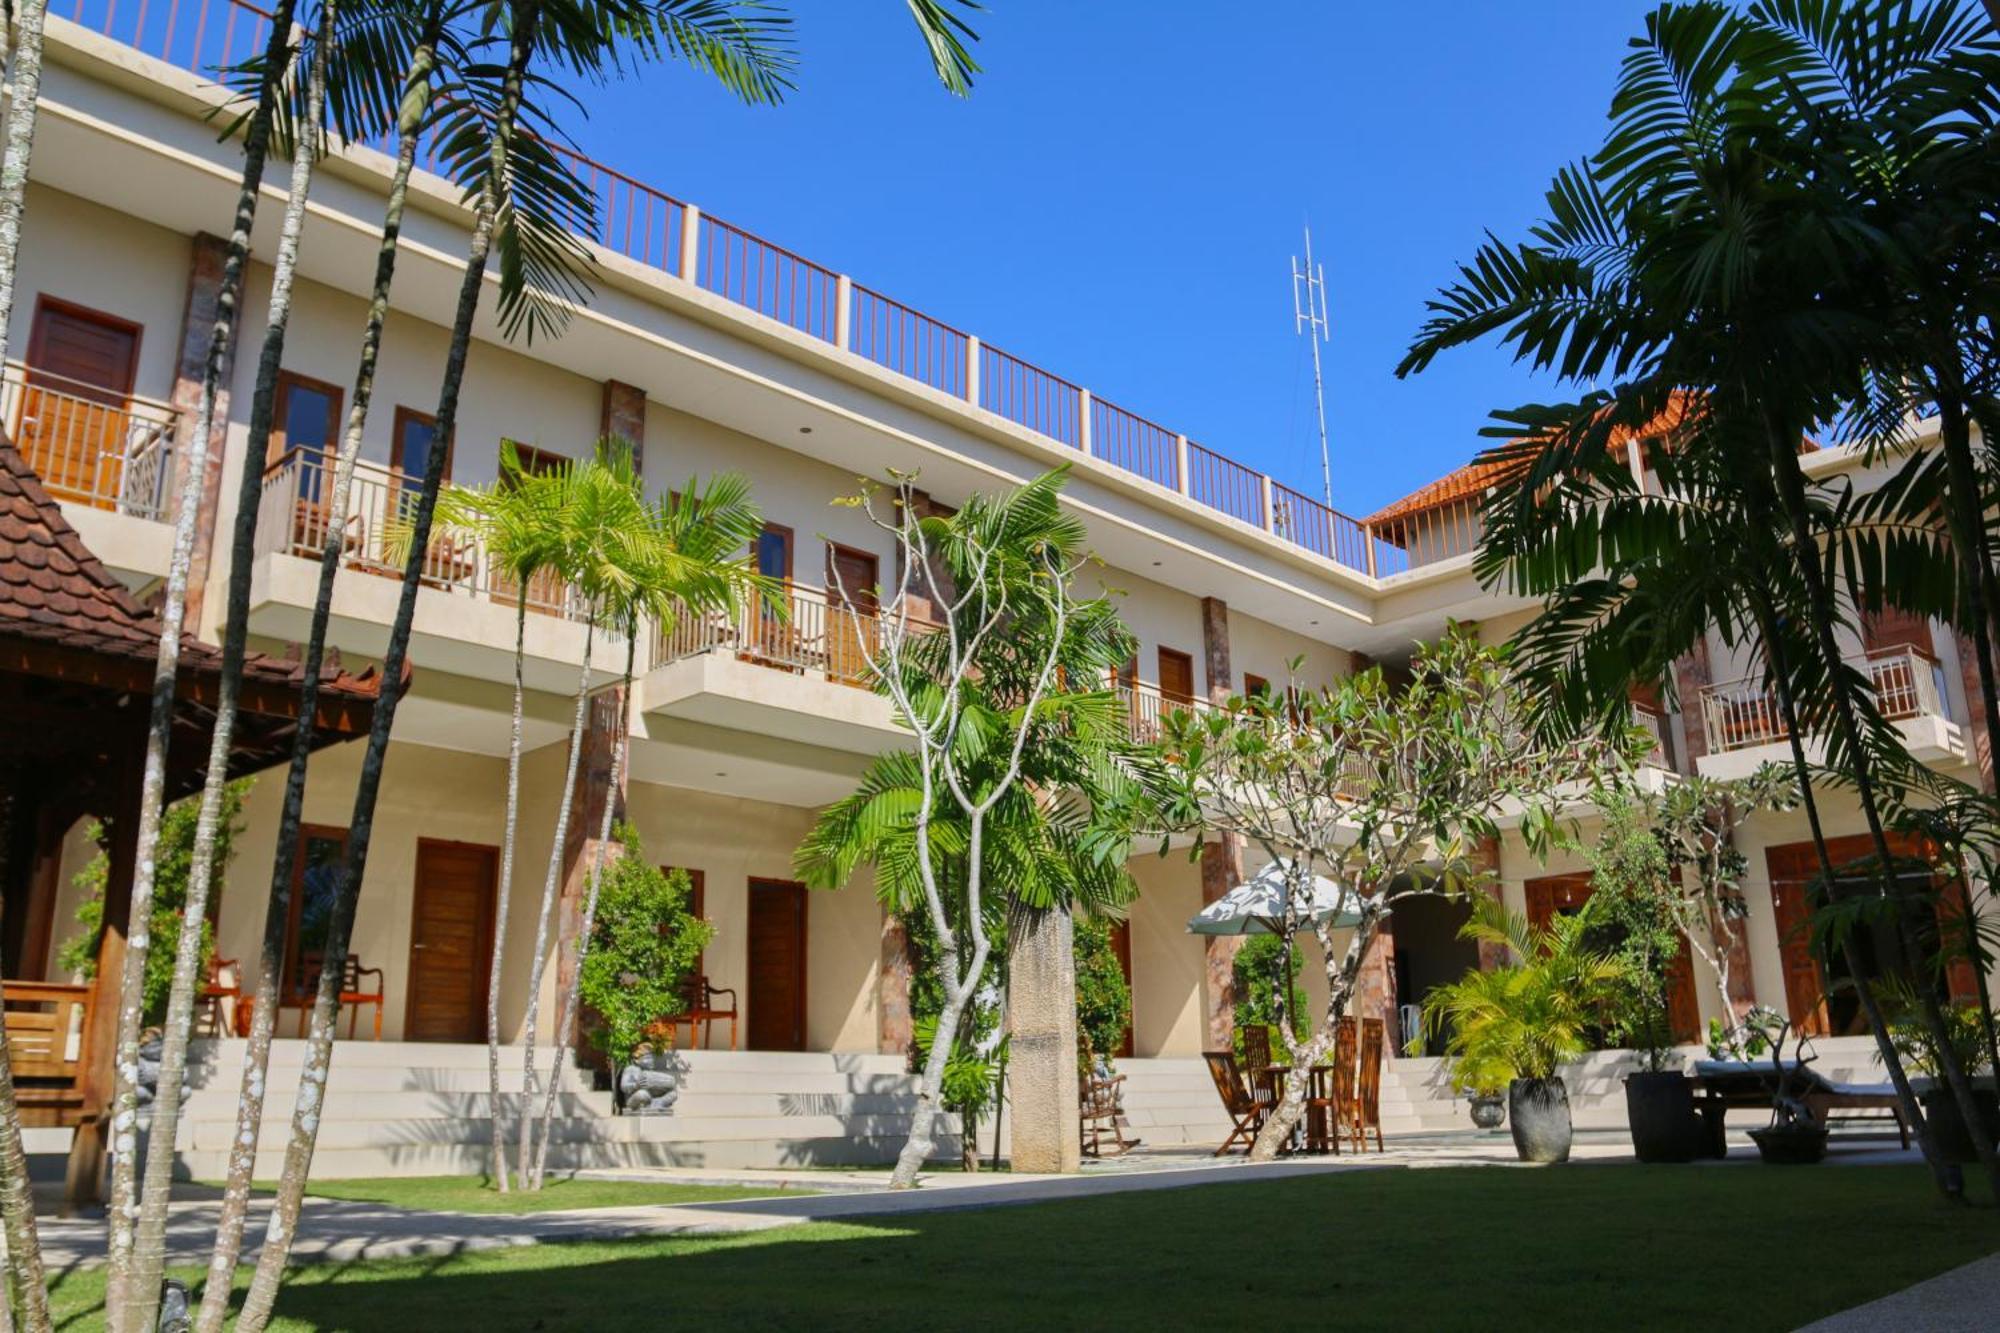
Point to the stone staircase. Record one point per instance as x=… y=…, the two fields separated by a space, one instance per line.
x=395 y=1108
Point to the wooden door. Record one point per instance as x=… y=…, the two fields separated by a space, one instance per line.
x=73 y=418
x=1552 y=895
x=451 y=941
x=1176 y=677
x=777 y=987
x=1121 y=947
x=852 y=632
x=1792 y=867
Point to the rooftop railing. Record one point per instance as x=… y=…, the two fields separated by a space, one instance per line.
x=655 y=229
x=1741 y=713
x=92 y=446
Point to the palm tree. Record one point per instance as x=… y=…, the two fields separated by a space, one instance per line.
x=527 y=204
x=1703 y=257
x=521 y=522
x=687 y=560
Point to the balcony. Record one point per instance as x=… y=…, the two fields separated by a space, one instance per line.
x=1654 y=723
x=1745 y=726
x=466 y=603
x=1148 y=708
x=107 y=456
x=800 y=672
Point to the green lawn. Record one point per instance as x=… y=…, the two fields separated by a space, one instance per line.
x=469 y=1194
x=1581 y=1247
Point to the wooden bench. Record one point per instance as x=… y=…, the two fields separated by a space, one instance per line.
x=45 y=1020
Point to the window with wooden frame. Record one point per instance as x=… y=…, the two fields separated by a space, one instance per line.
x=697 y=903
x=1255 y=686
x=305 y=414
x=316 y=870
x=410 y=449
x=536 y=462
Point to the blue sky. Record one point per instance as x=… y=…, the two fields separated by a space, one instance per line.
x=1120 y=198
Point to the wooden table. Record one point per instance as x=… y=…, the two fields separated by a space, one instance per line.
x=1320 y=1131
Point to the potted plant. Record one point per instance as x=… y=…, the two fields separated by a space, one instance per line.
x=1483 y=1081
x=1795 y=1137
x=1635 y=894
x=1965 y=1033
x=1526 y=1018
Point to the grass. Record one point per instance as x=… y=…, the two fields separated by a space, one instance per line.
x=471 y=1194
x=1474 y=1248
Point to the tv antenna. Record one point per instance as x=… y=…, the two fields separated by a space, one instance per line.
x=1309 y=318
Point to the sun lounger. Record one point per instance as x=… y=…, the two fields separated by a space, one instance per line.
x=1726 y=1085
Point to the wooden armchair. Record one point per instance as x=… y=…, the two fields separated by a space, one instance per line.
x=214 y=991
x=1100 y=1105
x=48 y=1078
x=702 y=1011
x=354 y=992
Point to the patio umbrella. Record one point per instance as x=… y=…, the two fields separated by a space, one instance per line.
x=1257 y=908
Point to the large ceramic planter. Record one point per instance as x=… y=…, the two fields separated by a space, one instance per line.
x=1538 y=1113
x=1489 y=1111
x=1659 y=1107
x=1948 y=1126
x=1798 y=1144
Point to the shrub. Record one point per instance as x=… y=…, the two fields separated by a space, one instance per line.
x=1256 y=970
x=1103 y=999
x=643 y=945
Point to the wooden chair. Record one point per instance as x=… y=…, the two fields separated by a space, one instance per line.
x=1345 y=1042
x=1324 y=1110
x=214 y=991
x=701 y=1011
x=352 y=993
x=1100 y=1105
x=1367 y=1113
x=1245 y=1106
x=1256 y=1048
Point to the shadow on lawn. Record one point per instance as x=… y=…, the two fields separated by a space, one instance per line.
x=1488 y=1248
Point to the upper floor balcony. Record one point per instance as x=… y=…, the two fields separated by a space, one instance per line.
x=466 y=602
x=1745 y=725
x=108 y=456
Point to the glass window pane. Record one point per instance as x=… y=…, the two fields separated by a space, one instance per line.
x=413 y=450
x=308 y=417
x=321 y=856
x=771 y=552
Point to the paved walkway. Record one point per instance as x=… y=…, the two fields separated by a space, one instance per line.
x=1965 y=1300
x=341 y=1230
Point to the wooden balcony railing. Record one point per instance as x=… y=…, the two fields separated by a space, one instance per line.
x=92 y=446
x=1738 y=714
x=297 y=518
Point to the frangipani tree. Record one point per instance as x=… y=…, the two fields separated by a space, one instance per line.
x=998 y=673
x=1389 y=789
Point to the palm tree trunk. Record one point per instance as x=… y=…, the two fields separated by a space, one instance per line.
x=525 y=1149
x=263 y=1293
x=23 y=104
x=1871 y=1008
x=1792 y=495
x=270 y=964
x=566 y=1024
x=124 y=1112
x=17 y=1207
x=505 y=893
x=149 y=1251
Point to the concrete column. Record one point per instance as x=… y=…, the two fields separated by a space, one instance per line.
x=843 y=312
x=1083 y=421
x=593 y=789
x=624 y=414
x=1976 y=748
x=1486 y=857
x=1222 y=859
x=204 y=293
x=1269 y=522
x=1041 y=1054
x=1181 y=463
x=1692 y=675
x=893 y=1027
x=690 y=241
x=1375 y=987
x=972 y=369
